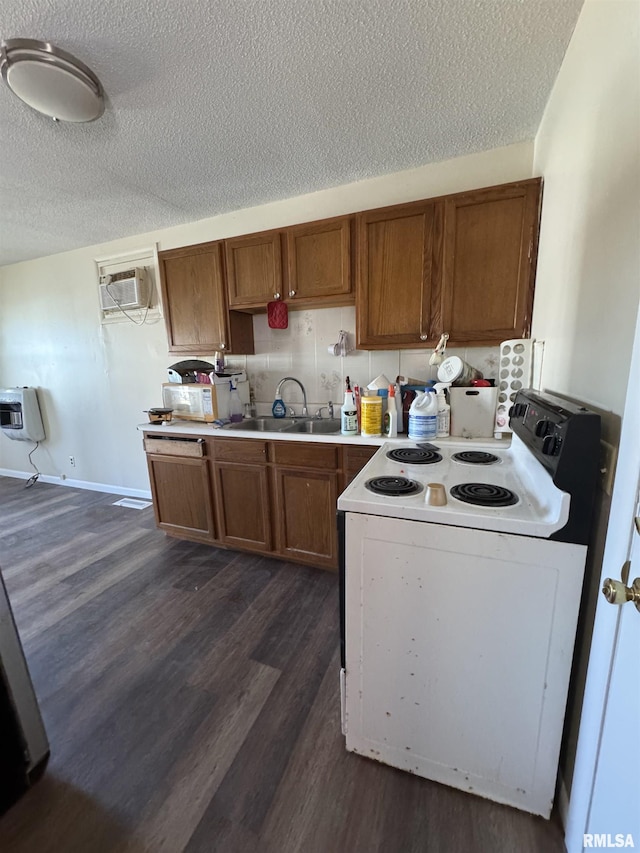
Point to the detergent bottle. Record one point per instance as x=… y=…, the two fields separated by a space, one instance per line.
x=423 y=415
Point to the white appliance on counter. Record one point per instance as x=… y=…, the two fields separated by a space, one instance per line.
x=202 y=401
x=459 y=620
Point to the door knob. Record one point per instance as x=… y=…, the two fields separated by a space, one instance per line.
x=292 y=293
x=617 y=592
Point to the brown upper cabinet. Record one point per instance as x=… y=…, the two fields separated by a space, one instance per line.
x=195 y=303
x=488 y=269
x=319 y=262
x=462 y=264
x=254 y=269
x=395 y=275
x=303 y=265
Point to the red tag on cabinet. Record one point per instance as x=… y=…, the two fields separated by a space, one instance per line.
x=277 y=315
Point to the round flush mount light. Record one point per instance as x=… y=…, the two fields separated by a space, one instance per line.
x=51 y=81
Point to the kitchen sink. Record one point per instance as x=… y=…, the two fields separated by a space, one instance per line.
x=310 y=426
x=316 y=426
x=264 y=424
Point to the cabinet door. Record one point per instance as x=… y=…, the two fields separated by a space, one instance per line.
x=306 y=515
x=194 y=300
x=182 y=497
x=243 y=506
x=254 y=269
x=355 y=457
x=394 y=262
x=319 y=263
x=490 y=248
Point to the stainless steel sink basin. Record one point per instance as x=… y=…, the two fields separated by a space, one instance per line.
x=310 y=426
x=315 y=426
x=264 y=424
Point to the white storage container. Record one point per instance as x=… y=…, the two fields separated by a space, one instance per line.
x=473 y=412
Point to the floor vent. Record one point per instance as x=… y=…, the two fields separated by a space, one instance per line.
x=132 y=503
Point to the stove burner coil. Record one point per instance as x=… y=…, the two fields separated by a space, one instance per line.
x=475 y=457
x=414 y=456
x=484 y=494
x=393 y=486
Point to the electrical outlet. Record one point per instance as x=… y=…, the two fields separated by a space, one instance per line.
x=608 y=457
x=72 y=461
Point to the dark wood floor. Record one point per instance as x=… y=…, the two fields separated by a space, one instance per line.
x=191 y=700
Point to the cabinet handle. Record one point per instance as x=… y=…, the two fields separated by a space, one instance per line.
x=292 y=293
x=424 y=337
x=276 y=296
x=223 y=345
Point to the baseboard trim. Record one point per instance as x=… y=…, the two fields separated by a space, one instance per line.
x=80 y=484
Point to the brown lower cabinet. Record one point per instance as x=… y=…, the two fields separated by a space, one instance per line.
x=182 y=497
x=274 y=497
x=305 y=480
x=305 y=519
x=242 y=493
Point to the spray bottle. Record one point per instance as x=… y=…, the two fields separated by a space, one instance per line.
x=390 y=417
x=349 y=414
x=444 y=409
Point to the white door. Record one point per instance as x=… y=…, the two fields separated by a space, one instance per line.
x=615 y=807
x=604 y=808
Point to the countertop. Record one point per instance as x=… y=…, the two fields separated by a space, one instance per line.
x=193 y=428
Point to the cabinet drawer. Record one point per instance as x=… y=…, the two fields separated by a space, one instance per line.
x=170 y=446
x=305 y=455
x=239 y=450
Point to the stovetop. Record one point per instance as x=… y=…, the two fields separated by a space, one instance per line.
x=521 y=494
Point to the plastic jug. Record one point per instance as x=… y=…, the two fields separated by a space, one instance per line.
x=423 y=415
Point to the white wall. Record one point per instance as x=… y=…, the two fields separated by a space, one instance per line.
x=588 y=281
x=588 y=151
x=96 y=380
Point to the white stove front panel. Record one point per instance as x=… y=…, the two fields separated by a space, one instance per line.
x=541 y=509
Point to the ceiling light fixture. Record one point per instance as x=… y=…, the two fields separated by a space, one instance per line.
x=51 y=81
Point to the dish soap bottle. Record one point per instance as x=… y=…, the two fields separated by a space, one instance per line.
x=278 y=410
x=235 y=403
x=390 y=419
x=349 y=413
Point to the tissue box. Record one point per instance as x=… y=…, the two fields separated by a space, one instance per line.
x=473 y=412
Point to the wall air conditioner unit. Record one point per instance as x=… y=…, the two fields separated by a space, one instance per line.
x=123 y=290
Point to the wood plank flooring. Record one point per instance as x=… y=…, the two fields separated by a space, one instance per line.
x=191 y=699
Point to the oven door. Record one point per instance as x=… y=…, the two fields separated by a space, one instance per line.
x=341 y=569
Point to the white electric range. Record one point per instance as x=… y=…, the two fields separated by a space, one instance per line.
x=458 y=620
x=509 y=490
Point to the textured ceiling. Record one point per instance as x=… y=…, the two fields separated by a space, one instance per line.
x=216 y=106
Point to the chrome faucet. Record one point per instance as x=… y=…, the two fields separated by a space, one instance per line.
x=328 y=407
x=304 y=393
